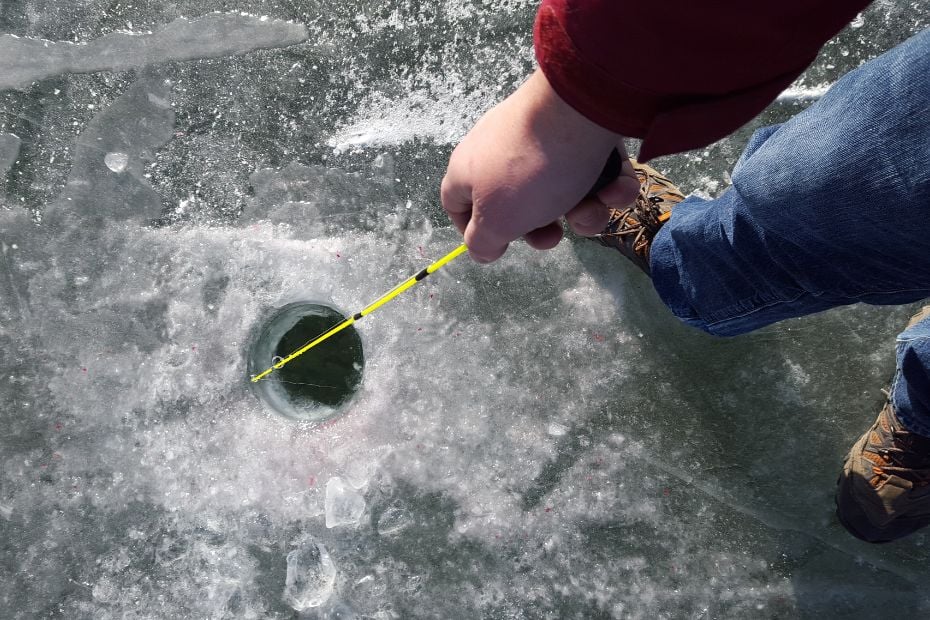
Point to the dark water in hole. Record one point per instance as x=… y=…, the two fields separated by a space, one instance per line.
x=318 y=384
x=329 y=373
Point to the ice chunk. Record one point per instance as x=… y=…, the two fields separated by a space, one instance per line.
x=9 y=151
x=159 y=102
x=337 y=610
x=383 y=166
x=128 y=128
x=343 y=505
x=116 y=162
x=27 y=60
x=311 y=575
x=393 y=520
x=105 y=591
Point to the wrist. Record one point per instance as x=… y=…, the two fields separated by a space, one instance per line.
x=549 y=115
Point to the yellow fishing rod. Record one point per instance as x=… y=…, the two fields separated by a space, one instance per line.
x=394 y=292
x=611 y=171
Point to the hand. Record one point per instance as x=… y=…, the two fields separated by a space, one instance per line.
x=527 y=163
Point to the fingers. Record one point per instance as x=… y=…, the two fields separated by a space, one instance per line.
x=625 y=188
x=588 y=217
x=456 y=196
x=545 y=238
x=460 y=220
x=456 y=193
x=494 y=198
x=622 y=192
x=456 y=199
x=480 y=247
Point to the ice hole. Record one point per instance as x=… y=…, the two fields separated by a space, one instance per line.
x=317 y=385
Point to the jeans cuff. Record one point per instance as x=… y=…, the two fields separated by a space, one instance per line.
x=663 y=267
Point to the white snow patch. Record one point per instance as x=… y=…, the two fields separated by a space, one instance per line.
x=801 y=93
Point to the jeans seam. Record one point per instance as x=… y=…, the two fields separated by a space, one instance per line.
x=891 y=292
x=853 y=298
x=758 y=308
x=900 y=340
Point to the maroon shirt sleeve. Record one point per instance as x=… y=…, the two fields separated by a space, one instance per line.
x=680 y=74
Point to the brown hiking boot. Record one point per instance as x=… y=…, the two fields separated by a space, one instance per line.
x=631 y=230
x=884 y=490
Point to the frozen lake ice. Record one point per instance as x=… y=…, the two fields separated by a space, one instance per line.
x=537 y=438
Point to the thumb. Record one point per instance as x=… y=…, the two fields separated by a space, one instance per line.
x=622 y=191
x=589 y=217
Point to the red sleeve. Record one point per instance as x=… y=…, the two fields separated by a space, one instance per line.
x=680 y=74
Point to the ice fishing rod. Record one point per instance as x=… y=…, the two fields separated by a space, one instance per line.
x=394 y=292
x=611 y=172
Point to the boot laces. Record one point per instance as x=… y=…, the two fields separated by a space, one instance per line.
x=908 y=457
x=642 y=217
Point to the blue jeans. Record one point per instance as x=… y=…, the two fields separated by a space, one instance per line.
x=829 y=208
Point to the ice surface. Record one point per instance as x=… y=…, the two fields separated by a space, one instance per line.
x=220 y=34
x=343 y=505
x=311 y=575
x=119 y=139
x=9 y=151
x=537 y=438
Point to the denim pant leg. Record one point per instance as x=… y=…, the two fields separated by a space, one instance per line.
x=829 y=208
x=910 y=391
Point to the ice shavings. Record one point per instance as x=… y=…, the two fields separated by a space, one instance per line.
x=437 y=113
x=797 y=93
x=393 y=520
x=431 y=103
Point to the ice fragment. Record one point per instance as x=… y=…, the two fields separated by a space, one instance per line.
x=27 y=60
x=343 y=505
x=116 y=162
x=393 y=520
x=311 y=576
x=9 y=151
